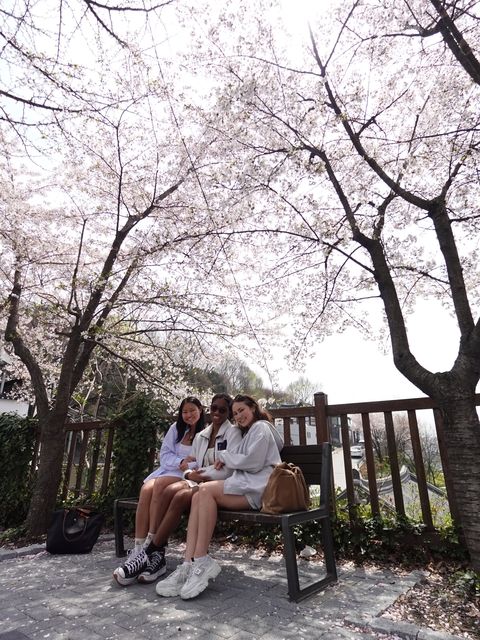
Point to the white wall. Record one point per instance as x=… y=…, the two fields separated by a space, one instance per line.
x=12 y=406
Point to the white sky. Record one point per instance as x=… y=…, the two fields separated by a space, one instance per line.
x=349 y=368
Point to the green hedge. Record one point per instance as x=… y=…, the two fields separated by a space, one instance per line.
x=141 y=425
x=17 y=441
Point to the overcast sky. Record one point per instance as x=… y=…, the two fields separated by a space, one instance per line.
x=351 y=369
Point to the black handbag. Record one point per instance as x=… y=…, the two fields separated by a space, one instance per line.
x=74 y=530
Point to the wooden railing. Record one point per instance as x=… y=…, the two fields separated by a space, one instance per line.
x=318 y=421
x=88 y=450
x=87 y=458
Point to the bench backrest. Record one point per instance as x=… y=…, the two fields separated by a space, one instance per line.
x=315 y=461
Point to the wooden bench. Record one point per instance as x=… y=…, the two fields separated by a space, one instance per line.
x=316 y=464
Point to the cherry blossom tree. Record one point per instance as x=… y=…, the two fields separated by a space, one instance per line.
x=364 y=139
x=108 y=228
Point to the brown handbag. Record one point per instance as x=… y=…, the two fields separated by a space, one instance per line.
x=286 y=490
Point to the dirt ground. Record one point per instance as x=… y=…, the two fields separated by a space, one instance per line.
x=442 y=602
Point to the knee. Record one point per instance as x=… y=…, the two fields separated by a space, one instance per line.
x=170 y=492
x=182 y=500
x=158 y=488
x=146 y=491
x=206 y=489
x=195 y=499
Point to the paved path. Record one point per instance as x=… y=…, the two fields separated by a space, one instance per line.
x=44 y=597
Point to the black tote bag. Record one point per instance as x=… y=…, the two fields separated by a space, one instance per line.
x=74 y=530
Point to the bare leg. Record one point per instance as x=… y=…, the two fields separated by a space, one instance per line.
x=179 y=504
x=192 y=530
x=143 y=509
x=158 y=503
x=210 y=496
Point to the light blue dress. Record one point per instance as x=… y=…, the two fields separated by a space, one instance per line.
x=171 y=455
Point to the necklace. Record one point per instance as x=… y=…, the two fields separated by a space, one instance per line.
x=189 y=436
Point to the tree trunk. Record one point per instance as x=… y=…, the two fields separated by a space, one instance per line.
x=462 y=436
x=49 y=472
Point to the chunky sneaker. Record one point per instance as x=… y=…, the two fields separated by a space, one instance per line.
x=156 y=567
x=198 y=578
x=133 y=567
x=171 y=586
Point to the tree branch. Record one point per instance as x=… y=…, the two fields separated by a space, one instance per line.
x=12 y=334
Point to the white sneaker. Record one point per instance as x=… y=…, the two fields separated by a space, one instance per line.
x=199 y=576
x=171 y=586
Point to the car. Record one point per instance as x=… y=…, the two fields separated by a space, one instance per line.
x=357 y=451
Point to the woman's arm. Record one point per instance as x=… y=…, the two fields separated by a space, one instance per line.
x=252 y=459
x=168 y=454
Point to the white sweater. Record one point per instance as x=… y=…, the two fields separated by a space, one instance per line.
x=252 y=463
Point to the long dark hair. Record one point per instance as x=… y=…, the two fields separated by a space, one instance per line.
x=228 y=399
x=258 y=412
x=182 y=425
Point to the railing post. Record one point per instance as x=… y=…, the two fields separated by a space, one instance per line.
x=322 y=426
x=321 y=420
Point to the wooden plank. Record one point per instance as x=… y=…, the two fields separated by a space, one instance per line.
x=92 y=472
x=81 y=464
x=68 y=470
x=394 y=469
x=302 y=431
x=108 y=458
x=321 y=423
x=380 y=406
x=420 y=470
x=372 y=476
x=287 y=436
x=347 y=461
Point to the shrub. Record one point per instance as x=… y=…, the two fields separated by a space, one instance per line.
x=17 y=441
x=136 y=438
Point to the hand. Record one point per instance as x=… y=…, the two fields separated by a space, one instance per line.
x=198 y=476
x=218 y=464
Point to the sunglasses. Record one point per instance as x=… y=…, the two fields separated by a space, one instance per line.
x=219 y=408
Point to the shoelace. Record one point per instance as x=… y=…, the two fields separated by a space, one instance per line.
x=180 y=572
x=155 y=560
x=132 y=564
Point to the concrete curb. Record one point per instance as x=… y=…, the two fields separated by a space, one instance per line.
x=404 y=630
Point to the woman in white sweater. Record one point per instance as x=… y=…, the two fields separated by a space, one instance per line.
x=250 y=465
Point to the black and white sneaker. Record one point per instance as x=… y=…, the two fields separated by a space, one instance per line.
x=157 y=566
x=133 y=567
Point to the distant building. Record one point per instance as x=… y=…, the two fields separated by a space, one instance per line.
x=14 y=406
x=7 y=405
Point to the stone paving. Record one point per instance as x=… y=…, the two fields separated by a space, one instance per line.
x=74 y=598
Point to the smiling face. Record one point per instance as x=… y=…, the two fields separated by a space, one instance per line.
x=190 y=413
x=243 y=414
x=218 y=411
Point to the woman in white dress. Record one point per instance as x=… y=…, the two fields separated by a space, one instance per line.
x=175 y=453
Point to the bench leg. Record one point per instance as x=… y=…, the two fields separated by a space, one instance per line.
x=118 y=528
x=328 y=552
x=295 y=593
x=290 y=555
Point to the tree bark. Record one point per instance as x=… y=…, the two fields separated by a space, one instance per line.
x=462 y=433
x=52 y=442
